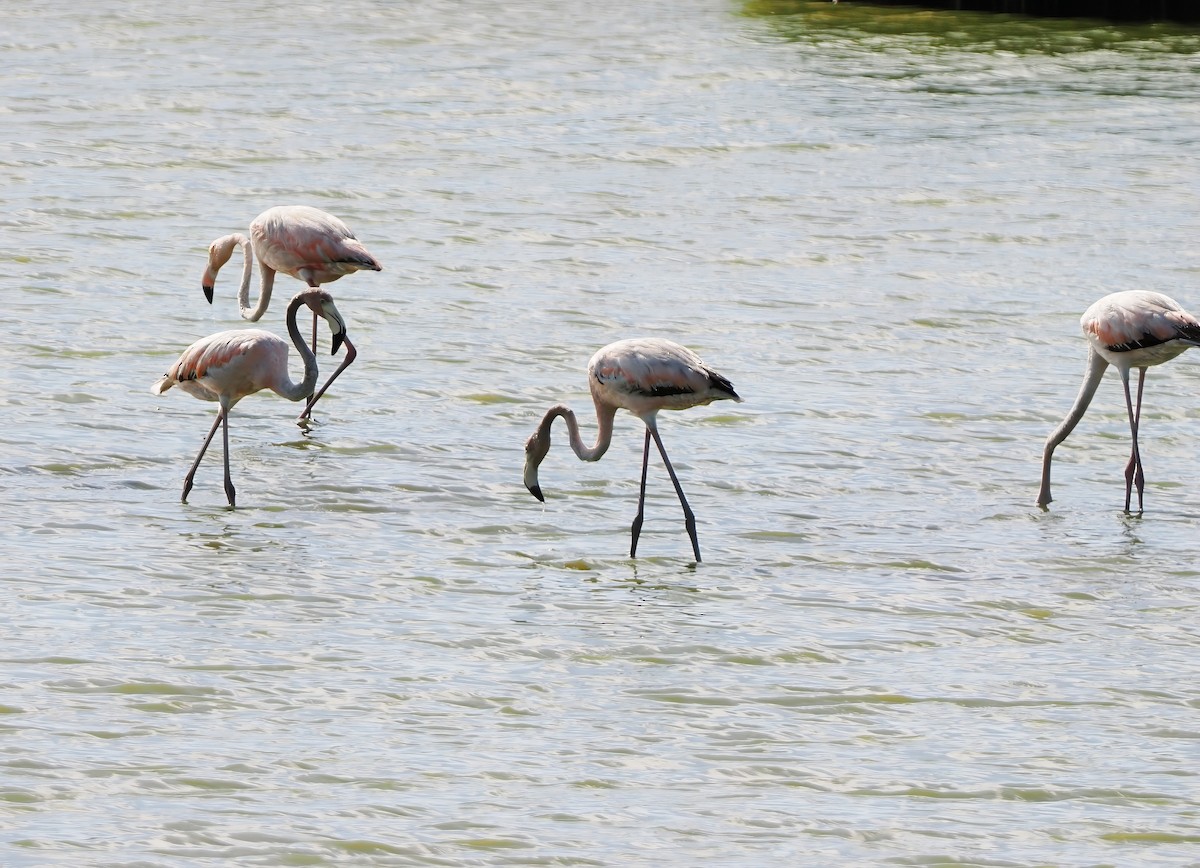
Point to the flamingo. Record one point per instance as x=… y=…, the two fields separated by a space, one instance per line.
x=643 y=376
x=229 y=365
x=307 y=243
x=1132 y=329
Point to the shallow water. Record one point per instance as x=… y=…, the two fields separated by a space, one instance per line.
x=882 y=225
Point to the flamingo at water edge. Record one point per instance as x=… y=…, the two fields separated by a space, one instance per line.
x=307 y=243
x=643 y=376
x=1133 y=329
x=229 y=365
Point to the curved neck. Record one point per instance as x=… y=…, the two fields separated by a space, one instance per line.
x=604 y=419
x=1091 y=379
x=288 y=389
x=265 y=284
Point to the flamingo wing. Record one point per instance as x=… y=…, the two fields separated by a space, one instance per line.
x=237 y=363
x=295 y=238
x=656 y=371
x=1136 y=320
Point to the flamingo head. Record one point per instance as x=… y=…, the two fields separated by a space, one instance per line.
x=321 y=303
x=536 y=448
x=218 y=254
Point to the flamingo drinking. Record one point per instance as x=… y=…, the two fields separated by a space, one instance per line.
x=1133 y=329
x=307 y=243
x=643 y=376
x=229 y=365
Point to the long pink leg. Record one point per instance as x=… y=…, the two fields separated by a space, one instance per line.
x=191 y=474
x=637 y=519
x=689 y=519
x=351 y=355
x=1133 y=470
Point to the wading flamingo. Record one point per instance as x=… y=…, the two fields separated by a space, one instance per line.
x=1133 y=329
x=307 y=243
x=230 y=365
x=643 y=376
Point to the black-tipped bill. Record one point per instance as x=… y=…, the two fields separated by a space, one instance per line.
x=536 y=491
x=338 y=339
x=208 y=293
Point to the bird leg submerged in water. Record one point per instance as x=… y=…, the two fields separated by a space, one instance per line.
x=1133 y=470
x=689 y=518
x=188 y=481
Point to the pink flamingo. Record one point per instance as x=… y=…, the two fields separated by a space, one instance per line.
x=1133 y=329
x=643 y=376
x=307 y=243
x=229 y=365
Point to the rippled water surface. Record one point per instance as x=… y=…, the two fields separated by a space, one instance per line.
x=882 y=225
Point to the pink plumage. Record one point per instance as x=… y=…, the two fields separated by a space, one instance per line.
x=238 y=362
x=1138 y=320
x=229 y=365
x=1132 y=329
x=307 y=243
x=643 y=376
x=304 y=242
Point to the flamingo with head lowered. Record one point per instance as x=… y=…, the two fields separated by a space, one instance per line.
x=229 y=365
x=643 y=376
x=1132 y=329
x=307 y=243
